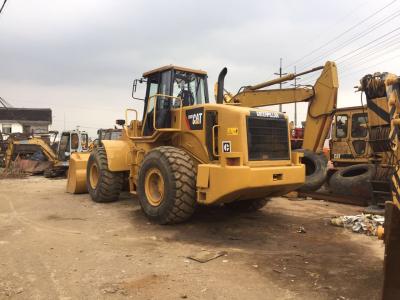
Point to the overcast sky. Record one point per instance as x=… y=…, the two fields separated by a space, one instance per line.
x=80 y=57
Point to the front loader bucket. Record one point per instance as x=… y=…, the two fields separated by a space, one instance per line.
x=76 y=183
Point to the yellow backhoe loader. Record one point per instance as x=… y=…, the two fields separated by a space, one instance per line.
x=322 y=98
x=350 y=154
x=52 y=162
x=187 y=152
x=349 y=137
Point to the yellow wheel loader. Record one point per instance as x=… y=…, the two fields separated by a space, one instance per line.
x=186 y=152
x=322 y=99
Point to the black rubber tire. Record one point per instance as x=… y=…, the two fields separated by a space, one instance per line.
x=179 y=175
x=54 y=172
x=48 y=173
x=316 y=170
x=247 y=205
x=353 y=180
x=109 y=183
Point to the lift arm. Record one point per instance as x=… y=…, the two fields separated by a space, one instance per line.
x=322 y=98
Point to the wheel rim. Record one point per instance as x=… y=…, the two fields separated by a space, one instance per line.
x=94 y=176
x=154 y=187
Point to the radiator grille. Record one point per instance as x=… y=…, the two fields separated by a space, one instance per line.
x=267 y=139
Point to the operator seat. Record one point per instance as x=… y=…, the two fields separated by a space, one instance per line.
x=187 y=97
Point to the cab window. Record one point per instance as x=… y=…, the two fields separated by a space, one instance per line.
x=190 y=88
x=341 y=126
x=74 y=141
x=153 y=89
x=64 y=142
x=359 y=125
x=84 y=141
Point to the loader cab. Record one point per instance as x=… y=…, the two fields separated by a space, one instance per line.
x=169 y=88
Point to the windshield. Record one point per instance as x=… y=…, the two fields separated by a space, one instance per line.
x=191 y=88
x=359 y=125
x=341 y=126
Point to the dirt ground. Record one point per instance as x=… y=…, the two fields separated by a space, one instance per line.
x=54 y=245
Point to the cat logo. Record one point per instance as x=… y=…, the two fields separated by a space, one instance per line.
x=226 y=146
x=194 y=118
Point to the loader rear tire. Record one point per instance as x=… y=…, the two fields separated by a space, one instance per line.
x=247 y=205
x=167 y=185
x=102 y=184
x=316 y=170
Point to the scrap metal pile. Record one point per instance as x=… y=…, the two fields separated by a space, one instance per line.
x=364 y=223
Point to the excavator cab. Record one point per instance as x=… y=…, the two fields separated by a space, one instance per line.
x=72 y=141
x=171 y=87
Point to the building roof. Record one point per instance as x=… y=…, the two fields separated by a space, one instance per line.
x=26 y=114
x=168 y=67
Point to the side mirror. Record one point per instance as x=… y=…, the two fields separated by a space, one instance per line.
x=120 y=122
x=135 y=82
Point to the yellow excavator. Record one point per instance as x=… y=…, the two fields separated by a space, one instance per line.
x=186 y=152
x=53 y=162
x=322 y=99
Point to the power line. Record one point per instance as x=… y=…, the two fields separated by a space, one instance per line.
x=2 y=7
x=341 y=34
x=355 y=37
x=369 y=43
x=374 y=48
x=363 y=46
x=324 y=33
x=375 y=54
x=347 y=73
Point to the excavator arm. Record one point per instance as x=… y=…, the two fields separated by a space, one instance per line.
x=322 y=99
x=44 y=147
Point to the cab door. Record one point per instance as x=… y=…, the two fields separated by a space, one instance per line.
x=358 y=134
x=339 y=145
x=158 y=107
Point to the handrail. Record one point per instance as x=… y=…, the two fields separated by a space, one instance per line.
x=126 y=114
x=213 y=140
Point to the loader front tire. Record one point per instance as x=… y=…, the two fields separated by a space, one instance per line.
x=247 y=205
x=102 y=184
x=167 y=185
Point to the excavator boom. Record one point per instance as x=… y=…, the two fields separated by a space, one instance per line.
x=322 y=98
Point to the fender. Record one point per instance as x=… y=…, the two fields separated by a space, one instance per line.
x=119 y=156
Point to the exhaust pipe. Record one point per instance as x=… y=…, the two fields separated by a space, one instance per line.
x=220 y=92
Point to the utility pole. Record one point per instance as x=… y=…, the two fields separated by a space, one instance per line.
x=280 y=75
x=295 y=103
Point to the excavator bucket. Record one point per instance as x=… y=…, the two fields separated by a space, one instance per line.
x=76 y=183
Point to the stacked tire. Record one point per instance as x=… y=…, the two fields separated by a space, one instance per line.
x=316 y=170
x=353 y=180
